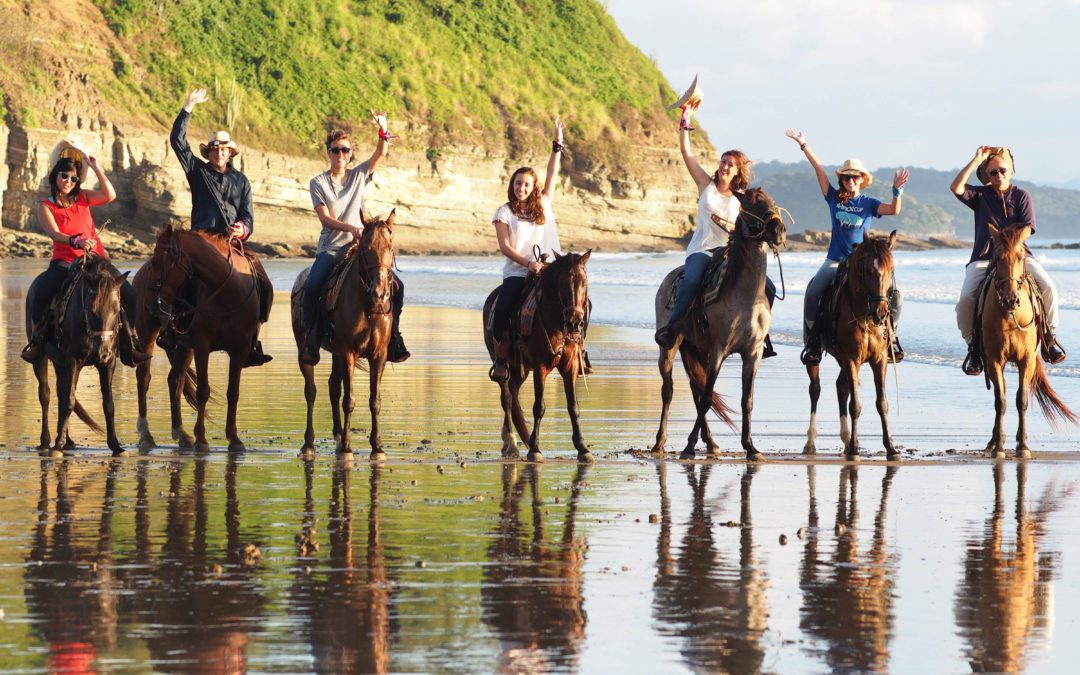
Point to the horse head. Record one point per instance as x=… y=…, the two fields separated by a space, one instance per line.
x=567 y=274
x=1008 y=264
x=759 y=218
x=870 y=276
x=376 y=259
x=97 y=305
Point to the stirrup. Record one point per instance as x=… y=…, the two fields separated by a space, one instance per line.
x=496 y=375
x=972 y=363
x=256 y=357
x=811 y=353
x=1052 y=351
x=587 y=369
x=397 y=352
x=896 y=354
x=32 y=351
x=767 y=351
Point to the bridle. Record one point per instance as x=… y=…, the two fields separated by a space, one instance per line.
x=772 y=213
x=1009 y=300
x=864 y=263
x=372 y=279
x=176 y=256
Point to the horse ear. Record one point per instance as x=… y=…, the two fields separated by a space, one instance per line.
x=365 y=219
x=994 y=232
x=123 y=277
x=556 y=254
x=390 y=219
x=892 y=239
x=585 y=258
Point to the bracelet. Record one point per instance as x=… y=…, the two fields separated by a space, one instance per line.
x=897 y=191
x=386 y=135
x=802 y=146
x=557 y=146
x=685 y=125
x=75 y=241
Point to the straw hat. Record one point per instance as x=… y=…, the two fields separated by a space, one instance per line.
x=217 y=139
x=68 y=150
x=854 y=167
x=691 y=97
x=1002 y=152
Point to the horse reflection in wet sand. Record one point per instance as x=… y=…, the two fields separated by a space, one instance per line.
x=532 y=592
x=1009 y=330
x=716 y=608
x=1005 y=605
x=848 y=600
x=735 y=323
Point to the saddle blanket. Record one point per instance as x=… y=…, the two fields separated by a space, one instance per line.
x=710 y=285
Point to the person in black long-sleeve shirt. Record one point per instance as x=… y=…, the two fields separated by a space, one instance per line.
x=220 y=202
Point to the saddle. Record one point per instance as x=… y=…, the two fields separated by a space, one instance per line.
x=828 y=309
x=715 y=273
x=342 y=262
x=980 y=303
x=530 y=303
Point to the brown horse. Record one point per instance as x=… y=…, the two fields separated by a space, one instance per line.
x=736 y=323
x=87 y=332
x=858 y=331
x=1009 y=330
x=557 y=342
x=203 y=287
x=361 y=318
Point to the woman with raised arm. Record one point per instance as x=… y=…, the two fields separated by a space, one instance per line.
x=850 y=212
x=64 y=216
x=1001 y=203
x=337 y=195
x=525 y=222
x=718 y=209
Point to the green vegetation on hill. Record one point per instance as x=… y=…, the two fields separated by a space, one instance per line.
x=483 y=73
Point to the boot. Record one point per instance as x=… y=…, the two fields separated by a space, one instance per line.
x=500 y=371
x=767 y=351
x=397 y=352
x=667 y=335
x=897 y=353
x=1052 y=351
x=166 y=339
x=130 y=354
x=586 y=364
x=973 y=361
x=256 y=357
x=309 y=353
x=34 y=349
x=811 y=354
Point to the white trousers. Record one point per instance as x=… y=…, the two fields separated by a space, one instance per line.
x=973 y=275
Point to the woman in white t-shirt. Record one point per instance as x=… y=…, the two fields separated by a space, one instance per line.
x=718 y=209
x=525 y=221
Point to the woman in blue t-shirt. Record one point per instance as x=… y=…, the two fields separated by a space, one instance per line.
x=850 y=213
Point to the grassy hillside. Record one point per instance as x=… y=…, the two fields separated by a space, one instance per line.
x=489 y=74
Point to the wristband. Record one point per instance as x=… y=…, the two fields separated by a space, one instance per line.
x=557 y=146
x=897 y=191
x=387 y=135
x=75 y=241
x=684 y=124
x=802 y=146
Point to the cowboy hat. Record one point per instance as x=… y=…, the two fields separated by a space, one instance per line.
x=1002 y=152
x=217 y=139
x=691 y=97
x=68 y=150
x=854 y=167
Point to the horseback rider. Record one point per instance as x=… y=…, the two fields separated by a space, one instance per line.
x=850 y=213
x=718 y=209
x=337 y=195
x=523 y=223
x=65 y=218
x=999 y=202
x=220 y=203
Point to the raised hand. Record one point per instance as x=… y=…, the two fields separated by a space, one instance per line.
x=92 y=162
x=559 y=127
x=982 y=153
x=900 y=178
x=795 y=135
x=196 y=97
x=380 y=120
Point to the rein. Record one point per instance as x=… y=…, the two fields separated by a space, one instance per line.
x=1025 y=282
x=761 y=236
x=176 y=252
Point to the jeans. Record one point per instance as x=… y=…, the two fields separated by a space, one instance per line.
x=316 y=282
x=823 y=278
x=505 y=304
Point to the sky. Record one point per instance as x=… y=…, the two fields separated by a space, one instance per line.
x=912 y=83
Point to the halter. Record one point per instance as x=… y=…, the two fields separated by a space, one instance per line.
x=1002 y=286
x=175 y=255
x=379 y=293
x=771 y=213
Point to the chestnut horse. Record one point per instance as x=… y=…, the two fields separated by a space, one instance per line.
x=207 y=290
x=736 y=323
x=361 y=320
x=557 y=342
x=86 y=333
x=858 y=330
x=1009 y=330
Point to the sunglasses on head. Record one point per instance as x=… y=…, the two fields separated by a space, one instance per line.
x=74 y=178
x=341 y=150
x=998 y=171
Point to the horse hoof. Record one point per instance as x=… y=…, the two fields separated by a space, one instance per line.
x=996 y=453
x=69 y=444
x=147 y=443
x=657 y=449
x=375 y=456
x=53 y=453
x=585 y=458
x=120 y=453
x=307 y=452
x=1023 y=453
x=238 y=446
x=893 y=455
x=809 y=449
x=183 y=439
x=851 y=457
x=201 y=448
x=535 y=456
x=687 y=454
x=754 y=456
x=510 y=453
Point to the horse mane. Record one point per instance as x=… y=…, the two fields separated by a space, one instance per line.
x=873 y=247
x=749 y=198
x=1011 y=244
x=212 y=238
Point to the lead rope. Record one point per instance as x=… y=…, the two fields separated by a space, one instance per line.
x=890 y=336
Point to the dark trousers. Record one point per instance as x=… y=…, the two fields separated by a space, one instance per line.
x=46 y=286
x=693 y=276
x=505 y=304
x=316 y=282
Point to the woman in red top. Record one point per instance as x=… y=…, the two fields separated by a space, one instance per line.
x=65 y=217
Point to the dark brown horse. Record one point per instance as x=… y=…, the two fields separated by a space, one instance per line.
x=1009 y=330
x=736 y=323
x=206 y=290
x=361 y=320
x=557 y=342
x=86 y=335
x=859 y=331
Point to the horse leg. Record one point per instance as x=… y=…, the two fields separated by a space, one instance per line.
x=348 y=404
x=749 y=373
x=180 y=362
x=843 y=392
x=666 y=362
x=376 y=367
x=996 y=447
x=108 y=407
x=142 y=378
x=232 y=396
x=569 y=378
x=850 y=374
x=1023 y=393
x=880 y=369
x=704 y=400
x=41 y=372
x=307 y=450
x=202 y=396
x=334 y=385
x=711 y=446
x=539 y=375
x=814 y=372
x=517 y=379
x=67 y=381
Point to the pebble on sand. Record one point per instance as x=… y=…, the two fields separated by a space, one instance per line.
x=801 y=533
x=653 y=518
x=783 y=540
x=421 y=564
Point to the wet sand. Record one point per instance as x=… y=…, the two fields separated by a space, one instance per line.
x=448 y=559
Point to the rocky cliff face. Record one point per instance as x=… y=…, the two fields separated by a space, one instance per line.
x=442 y=206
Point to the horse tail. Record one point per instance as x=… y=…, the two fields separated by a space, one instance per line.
x=695 y=370
x=81 y=413
x=1053 y=408
x=190 y=387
